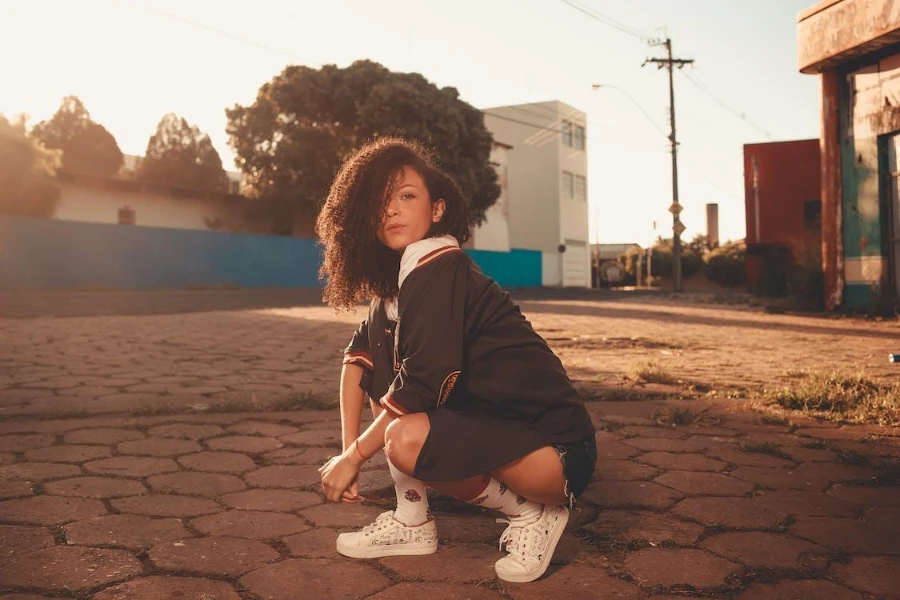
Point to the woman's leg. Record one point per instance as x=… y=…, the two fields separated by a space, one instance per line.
x=537 y=476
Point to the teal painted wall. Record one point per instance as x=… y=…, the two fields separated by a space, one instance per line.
x=513 y=269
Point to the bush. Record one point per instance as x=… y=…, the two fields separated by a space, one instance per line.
x=726 y=264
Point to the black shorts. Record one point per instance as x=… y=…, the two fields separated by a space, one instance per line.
x=578 y=460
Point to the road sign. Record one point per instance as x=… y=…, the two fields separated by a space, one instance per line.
x=679 y=227
x=675 y=209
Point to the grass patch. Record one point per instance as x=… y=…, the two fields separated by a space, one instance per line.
x=234 y=406
x=305 y=401
x=650 y=372
x=841 y=397
x=676 y=416
x=154 y=411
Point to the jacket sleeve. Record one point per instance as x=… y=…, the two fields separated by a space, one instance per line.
x=428 y=351
x=357 y=352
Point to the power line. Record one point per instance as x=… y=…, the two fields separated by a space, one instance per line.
x=742 y=116
x=608 y=21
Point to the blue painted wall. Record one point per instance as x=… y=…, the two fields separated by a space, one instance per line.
x=48 y=254
x=513 y=269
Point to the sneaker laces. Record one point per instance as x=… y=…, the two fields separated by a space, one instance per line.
x=510 y=536
x=378 y=523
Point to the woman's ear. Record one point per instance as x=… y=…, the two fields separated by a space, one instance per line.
x=437 y=211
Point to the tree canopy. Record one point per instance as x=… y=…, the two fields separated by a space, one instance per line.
x=291 y=140
x=87 y=147
x=180 y=155
x=28 y=184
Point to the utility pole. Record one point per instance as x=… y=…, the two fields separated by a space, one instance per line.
x=677 y=226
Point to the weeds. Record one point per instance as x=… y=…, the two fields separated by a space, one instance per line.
x=766 y=448
x=676 y=416
x=304 y=401
x=650 y=372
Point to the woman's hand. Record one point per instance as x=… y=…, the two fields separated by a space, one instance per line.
x=339 y=479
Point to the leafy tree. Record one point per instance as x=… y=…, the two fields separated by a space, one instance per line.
x=87 y=146
x=292 y=139
x=27 y=173
x=180 y=155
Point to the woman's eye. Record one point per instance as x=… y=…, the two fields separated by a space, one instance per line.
x=408 y=196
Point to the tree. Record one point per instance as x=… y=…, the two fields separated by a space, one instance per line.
x=87 y=146
x=180 y=155
x=291 y=140
x=28 y=184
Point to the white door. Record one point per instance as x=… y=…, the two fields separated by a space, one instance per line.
x=575 y=264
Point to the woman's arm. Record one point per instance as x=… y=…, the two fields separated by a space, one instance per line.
x=339 y=474
x=352 y=399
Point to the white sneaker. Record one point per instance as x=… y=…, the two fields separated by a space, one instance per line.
x=531 y=546
x=386 y=536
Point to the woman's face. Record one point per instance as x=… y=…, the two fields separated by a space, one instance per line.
x=409 y=212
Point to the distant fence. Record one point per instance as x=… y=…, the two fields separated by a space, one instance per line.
x=54 y=254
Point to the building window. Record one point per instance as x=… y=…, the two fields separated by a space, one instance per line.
x=566 y=131
x=126 y=215
x=579 y=137
x=568 y=185
x=580 y=188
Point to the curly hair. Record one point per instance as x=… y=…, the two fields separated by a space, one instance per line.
x=356 y=266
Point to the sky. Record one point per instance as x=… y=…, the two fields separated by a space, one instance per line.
x=132 y=61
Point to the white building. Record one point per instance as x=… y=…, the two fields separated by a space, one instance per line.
x=493 y=233
x=547 y=186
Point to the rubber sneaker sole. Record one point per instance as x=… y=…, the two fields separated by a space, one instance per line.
x=415 y=549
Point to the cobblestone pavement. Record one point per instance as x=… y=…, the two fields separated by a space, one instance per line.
x=131 y=467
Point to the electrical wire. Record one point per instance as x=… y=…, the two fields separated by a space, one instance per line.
x=742 y=116
x=608 y=21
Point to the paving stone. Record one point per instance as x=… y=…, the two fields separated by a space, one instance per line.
x=271 y=500
x=305 y=456
x=218 y=462
x=218 y=557
x=284 y=476
x=95 y=487
x=333 y=579
x=635 y=526
x=736 y=456
x=68 y=568
x=21 y=539
x=15 y=489
x=807 y=503
x=799 y=589
x=158 y=447
x=186 y=588
x=827 y=433
x=373 y=484
x=878 y=575
x=67 y=454
x=348 y=516
x=701 y=443
x=802 y=455
x=131 y=466
x=49 y=510
x=167 y=505
x=672 y=433
x=125 y=531
x=669 y=567
x=261 y=428
x=25 y=441
x=704 y=484
x=884 y=517
x=623 y=470
x=640 y=494
x=574 y=582
x=867 y=495
x=845 y=535
x=681 y=462
x=193 y=483
x=102 y=435
x=759 y=549
x=244 y=443
x=777 y=478
x=481 y=528
x=315 y=543
x=445 y=591
x=460 y=563
x=7 y=458
x=314 y=437
x=251 y=524
x=615 y=451
x=186 y=431
x=24 y=597
x=730 y=512
x=655 y=444
x=838 y=473
x=36 y=471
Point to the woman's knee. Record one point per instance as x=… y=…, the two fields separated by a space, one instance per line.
x=403 y=440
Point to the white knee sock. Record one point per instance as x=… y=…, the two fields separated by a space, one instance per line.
x=412 y=500
x=499 y=497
